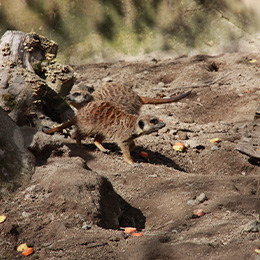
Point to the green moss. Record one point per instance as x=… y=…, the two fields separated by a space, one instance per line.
x=10 y=102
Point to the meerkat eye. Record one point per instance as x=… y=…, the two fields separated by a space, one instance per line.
x=154 y=121
x=76 y=94
x=141 y=124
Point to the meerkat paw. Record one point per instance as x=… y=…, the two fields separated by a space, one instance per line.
x=106 y=151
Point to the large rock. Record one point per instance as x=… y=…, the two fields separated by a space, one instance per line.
x=73 y=190
x=16 y=162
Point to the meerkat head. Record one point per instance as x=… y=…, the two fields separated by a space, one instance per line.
x=79 y=97
x=148 y=124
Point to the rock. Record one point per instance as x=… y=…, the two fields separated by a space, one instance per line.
x=107 y=79
x=161 y=84
x=193 y=144
x=191 y=202
x=82 y=192
x=16 y=162
x=201 y=198
x=252 y=226
x=182 y=135
x=214 y=148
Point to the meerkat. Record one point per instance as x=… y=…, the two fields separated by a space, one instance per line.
x=106 y=121
x=122 y=95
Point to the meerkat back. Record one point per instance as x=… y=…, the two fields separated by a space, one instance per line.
x=122 y=95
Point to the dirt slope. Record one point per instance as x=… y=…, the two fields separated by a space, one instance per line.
x=156 y=198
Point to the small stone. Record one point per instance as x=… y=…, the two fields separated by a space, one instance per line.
x=25 y=214
x=201 y=198
x=161 y=84
x=191 y=202
x=193 y=144
x=182 y=135
x=153 y=176
x=214 y=148
x=252 y=226
x=107 y=79
x=86 y=226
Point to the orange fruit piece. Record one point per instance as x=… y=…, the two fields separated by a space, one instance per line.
x=180 y=144
x=27 y=251
x=22 y=247
x=198 y=212
x=129 y=230
x=137 y=234
x=2 y=219
x=214 y=140
x=144 y=154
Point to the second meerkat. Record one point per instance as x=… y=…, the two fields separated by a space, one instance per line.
x=122 y=95
x=106 y=121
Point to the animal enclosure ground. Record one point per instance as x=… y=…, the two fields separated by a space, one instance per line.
x=155 y=198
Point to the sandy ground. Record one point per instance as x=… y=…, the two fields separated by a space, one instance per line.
x=157 y=198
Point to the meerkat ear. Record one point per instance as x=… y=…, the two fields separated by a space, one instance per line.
x=91 y=89
x=141 y=124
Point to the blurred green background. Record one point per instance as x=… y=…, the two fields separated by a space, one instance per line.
x=93 y=30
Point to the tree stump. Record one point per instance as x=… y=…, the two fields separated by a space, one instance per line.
x=26 y=49
x=31 y=82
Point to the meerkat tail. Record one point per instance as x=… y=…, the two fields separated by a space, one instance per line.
x=147 y=100
x=61 y=127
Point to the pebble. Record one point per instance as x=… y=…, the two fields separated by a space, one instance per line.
x=193 y=144
x=191 y=202
x=107 y=79
x=182 y=135
x=214 y=148
x=252 y=226
x=25 y=214
x=86 y=226
x=161 y=84
x=201 y=198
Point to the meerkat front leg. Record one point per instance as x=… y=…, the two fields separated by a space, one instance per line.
x=126 y=152
x=98 y=140
x=132 y=146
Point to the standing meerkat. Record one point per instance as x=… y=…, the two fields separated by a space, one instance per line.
x=106 y=121
x=122 y=95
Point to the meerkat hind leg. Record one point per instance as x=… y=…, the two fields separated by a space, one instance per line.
x=98 y=140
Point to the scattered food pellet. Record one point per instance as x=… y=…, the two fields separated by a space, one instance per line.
x=214 y=140
x=137 y=234
x=198 y=212
x=129 y=230
x=27 y=251
x=22 y=247
x=179 y=146
x=144 y=154
x=2 y=219
x=257 y=250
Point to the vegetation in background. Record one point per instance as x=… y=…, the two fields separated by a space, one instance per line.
x=102 y=28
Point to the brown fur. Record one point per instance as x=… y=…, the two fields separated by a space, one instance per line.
x=122 y=95
x=105 y=120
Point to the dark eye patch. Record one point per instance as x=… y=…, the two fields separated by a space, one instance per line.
x=141 y=124
x=76 y=94
x=154 y=121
